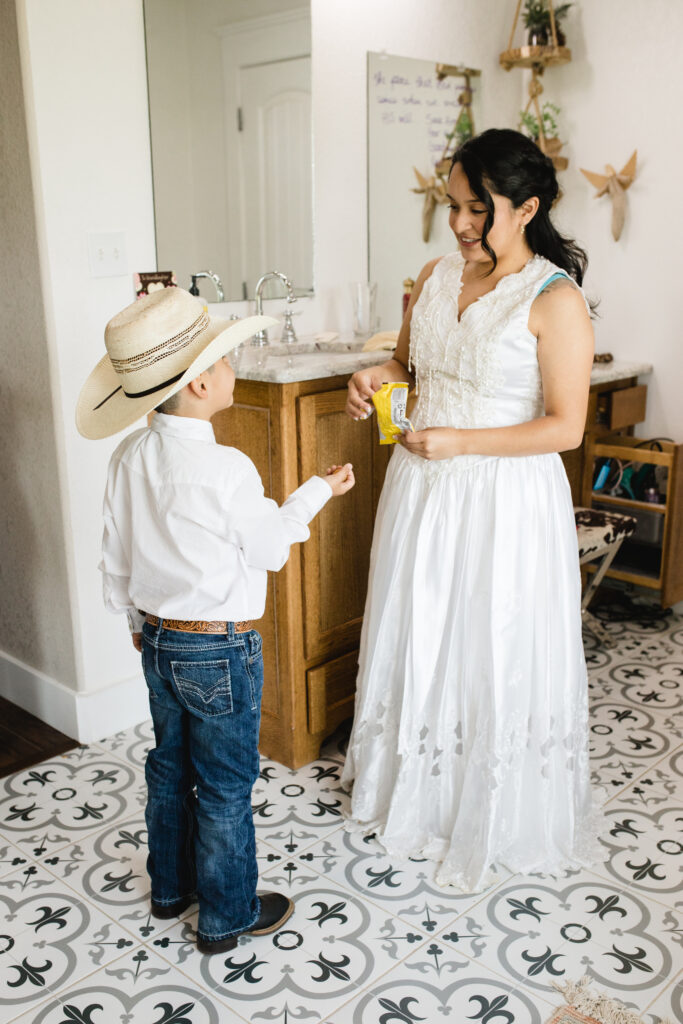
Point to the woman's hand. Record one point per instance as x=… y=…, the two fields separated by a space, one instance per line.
x=362 y=387
x=137 y=641
x=433 y=443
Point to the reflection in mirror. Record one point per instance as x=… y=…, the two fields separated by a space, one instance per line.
x=410 y=115
x=230 y=125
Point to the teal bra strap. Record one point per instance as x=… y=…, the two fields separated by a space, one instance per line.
x=549 y=281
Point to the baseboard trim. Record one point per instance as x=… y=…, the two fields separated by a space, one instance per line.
x=86 y=717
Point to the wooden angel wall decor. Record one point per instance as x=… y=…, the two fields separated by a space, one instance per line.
x=434 y=190
x=614 y=185
x=434 y=187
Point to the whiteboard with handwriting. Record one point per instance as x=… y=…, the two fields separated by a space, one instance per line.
x=409 y=115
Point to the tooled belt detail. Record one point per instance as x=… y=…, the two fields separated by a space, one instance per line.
x=199 y=625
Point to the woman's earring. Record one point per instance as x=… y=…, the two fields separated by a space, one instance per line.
x=521 y=230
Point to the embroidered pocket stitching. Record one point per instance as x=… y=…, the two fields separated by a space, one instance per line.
x=187 y=687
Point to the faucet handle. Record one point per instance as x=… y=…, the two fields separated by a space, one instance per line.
x=288 y=336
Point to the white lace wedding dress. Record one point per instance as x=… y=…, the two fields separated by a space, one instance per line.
x=469 y=743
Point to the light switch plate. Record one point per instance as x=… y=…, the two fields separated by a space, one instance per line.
x=107 y=254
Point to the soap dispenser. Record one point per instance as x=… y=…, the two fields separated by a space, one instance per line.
x=194 y=290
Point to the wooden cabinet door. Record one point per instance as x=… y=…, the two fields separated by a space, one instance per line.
x=337 y=556
x=252 y=426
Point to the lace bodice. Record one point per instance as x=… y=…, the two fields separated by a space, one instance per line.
x=481 y=370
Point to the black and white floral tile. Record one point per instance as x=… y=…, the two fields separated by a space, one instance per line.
x=373 y=940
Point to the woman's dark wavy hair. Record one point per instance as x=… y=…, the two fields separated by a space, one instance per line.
x=508 y=163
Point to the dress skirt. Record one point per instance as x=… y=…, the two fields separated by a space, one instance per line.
x=469 y=744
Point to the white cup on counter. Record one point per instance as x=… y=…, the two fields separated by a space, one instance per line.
x=363 y=299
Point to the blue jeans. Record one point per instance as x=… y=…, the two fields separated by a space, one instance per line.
x=205 y=699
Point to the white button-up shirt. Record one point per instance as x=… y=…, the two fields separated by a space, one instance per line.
x=188 y=532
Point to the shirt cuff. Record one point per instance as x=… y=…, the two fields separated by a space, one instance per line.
x=314 y=494
x=136 y=620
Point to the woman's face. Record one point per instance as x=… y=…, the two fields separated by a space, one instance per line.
x=468 y=216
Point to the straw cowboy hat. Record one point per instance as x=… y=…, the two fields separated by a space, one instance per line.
x=155 y=347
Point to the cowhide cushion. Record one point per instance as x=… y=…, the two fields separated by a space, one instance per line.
x=597 y=529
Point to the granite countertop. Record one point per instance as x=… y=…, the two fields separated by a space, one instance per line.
x=619 y=369
x=308 y=359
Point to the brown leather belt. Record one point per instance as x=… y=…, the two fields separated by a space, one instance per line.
x=199 y=626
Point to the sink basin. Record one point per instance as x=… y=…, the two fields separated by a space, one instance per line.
x=297 y=348
x=306 y=359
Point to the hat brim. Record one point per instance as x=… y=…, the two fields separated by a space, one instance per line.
x=103 y=408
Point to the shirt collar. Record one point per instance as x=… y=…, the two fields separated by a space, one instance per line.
x=183 y=426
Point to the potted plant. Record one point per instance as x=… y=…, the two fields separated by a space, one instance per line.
x=547 y=140
x=538 y=25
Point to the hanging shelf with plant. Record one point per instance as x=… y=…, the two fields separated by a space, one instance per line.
x=544 y=48
x=545 y=40
x=543 y=128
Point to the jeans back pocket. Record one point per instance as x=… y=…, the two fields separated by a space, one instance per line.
x=203 y=687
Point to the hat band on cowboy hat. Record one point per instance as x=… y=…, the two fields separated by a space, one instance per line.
x=154 y=347
x=157 y=352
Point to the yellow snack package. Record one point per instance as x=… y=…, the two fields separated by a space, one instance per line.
x=391 y=402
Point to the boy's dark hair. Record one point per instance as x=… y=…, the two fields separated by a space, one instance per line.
x=171 y=404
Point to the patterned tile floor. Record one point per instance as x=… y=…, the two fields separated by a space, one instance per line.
x=372 y=941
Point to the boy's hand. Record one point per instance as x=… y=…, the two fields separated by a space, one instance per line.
x=137 y=641
x=340 y=479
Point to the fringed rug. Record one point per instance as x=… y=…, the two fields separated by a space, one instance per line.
x=586 y=1007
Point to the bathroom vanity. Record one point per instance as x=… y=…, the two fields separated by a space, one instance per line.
x=289 y=418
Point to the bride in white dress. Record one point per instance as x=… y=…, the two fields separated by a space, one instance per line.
x=469 y=742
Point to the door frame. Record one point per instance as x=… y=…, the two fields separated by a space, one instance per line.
x=245 y=44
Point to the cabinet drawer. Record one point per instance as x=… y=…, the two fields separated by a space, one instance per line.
x=331 y=689
x=627 y=407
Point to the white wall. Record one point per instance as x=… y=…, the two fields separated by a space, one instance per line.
x=623 y=91
x=83 y=67
x=36 y=621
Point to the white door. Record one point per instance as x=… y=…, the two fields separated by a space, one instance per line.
x=276 y=171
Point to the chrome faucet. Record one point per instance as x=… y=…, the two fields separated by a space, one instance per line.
x=261 y=337
x=194 y=290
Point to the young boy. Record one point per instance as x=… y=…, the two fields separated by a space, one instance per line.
x=188 y=540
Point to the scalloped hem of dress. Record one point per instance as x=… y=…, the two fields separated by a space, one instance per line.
x=589 y=853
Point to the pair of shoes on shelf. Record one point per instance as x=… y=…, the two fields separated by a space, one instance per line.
x=275 y=910
x=166 y=910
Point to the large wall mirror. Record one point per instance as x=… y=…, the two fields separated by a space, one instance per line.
x=230 y=123
x=411 y=112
